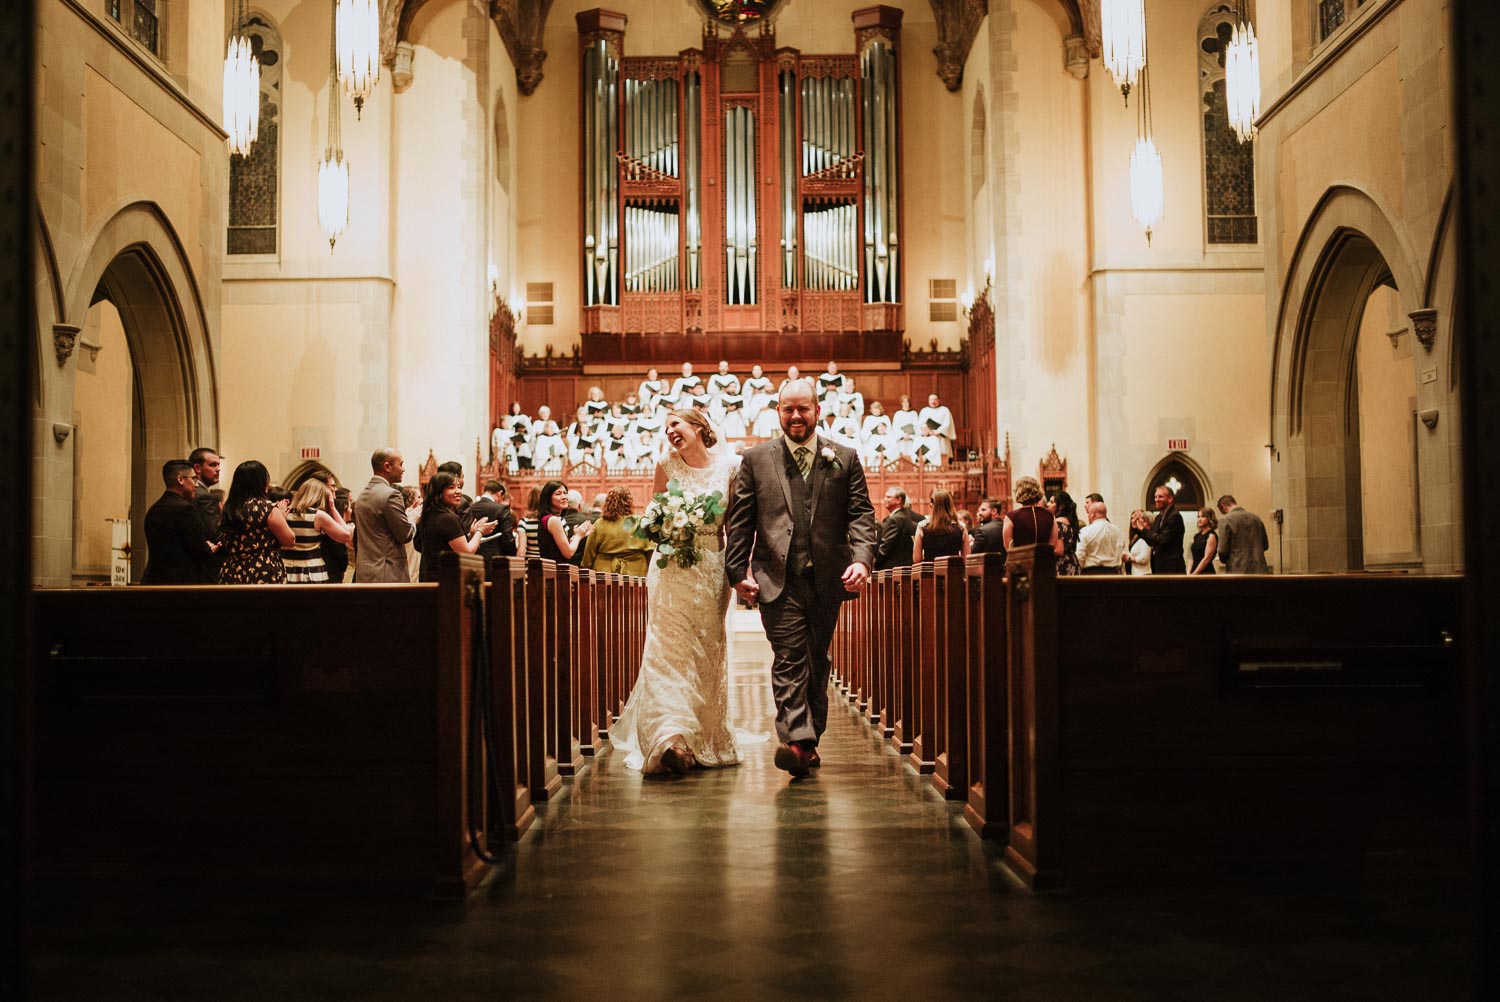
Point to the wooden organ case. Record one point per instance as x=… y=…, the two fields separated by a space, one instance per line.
x=741 y=201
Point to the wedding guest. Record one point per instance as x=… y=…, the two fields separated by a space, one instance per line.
x=552 y=535
x=612 y=546
x=1165 y=533
x=942 y=535
x=1065 y=515
x=1138 y=556
x=989 y=534
x=529 y=524
x=440 y=529
x=311 y=516
x=177 y=548
x=335 y=554
x=383 y=524
x=255 y=529
x=1101 y=543
x=206 y=464
x=1242 y=539
x=456 y=468
x=494 y=504
x=1206 y=543
x=897 y=531
x=1030 y=523
x=414 y=544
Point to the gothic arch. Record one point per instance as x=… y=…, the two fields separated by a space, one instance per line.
x=136 y=261
x=1196 y=487
x=1348 y=248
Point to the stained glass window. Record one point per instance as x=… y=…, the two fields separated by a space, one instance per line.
x=1228 y=164
x=255 y=179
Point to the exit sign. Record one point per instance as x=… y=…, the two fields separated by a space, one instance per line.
x=312 y=453
x=1173 y=445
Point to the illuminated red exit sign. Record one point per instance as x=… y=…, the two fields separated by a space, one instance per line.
x=312 y=453
x=1173 y=445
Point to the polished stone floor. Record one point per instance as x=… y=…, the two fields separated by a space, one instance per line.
x=856 y=883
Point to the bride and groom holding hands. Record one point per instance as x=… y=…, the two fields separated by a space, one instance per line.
x=798 y=541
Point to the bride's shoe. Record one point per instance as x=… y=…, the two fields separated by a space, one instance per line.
x=677 y=759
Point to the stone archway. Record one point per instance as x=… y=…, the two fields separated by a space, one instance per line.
x=1347 y=250
x=136 y=262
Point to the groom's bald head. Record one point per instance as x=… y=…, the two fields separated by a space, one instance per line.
x=798 y=410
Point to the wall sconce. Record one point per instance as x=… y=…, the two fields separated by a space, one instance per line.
x=1429 y=417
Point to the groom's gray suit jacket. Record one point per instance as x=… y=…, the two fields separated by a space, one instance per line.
x=760 y=523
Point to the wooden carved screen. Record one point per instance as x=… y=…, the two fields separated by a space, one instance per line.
x=740 y=201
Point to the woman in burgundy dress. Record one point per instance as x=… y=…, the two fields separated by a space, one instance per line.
x=1030 y=523
x=942 y=535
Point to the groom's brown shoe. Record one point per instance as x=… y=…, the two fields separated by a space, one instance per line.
x=793 y=759
x=813 y=758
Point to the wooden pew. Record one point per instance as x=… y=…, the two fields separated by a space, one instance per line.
x=312 y=732
x=1292 y=729
x=507 y=609
x=988 y=702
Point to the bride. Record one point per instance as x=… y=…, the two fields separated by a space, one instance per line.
x=678 y=713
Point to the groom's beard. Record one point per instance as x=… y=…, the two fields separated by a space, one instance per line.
x=811 y=434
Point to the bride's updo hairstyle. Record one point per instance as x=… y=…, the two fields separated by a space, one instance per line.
x=696 y=418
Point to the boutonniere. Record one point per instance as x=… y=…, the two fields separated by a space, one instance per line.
x=830 y=458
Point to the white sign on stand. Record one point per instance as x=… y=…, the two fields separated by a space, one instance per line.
x=119 y=552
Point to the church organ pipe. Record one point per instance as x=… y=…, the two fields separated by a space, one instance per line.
x=878 y=72
x=651 y=241
x=600 y=181
x=739 y=209
x=692 y=173
x=788 y=111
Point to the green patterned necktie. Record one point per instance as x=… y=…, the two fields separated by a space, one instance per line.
x=803 y=456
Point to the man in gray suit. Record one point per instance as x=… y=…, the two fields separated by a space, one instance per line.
x=382 y=525
x=1242 y=539
x=801 y=541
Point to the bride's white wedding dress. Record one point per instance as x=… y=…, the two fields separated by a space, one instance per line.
x=683 y=688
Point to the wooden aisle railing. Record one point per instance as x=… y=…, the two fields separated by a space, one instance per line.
x=1108 y=729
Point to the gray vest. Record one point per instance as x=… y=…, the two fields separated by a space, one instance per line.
x=799 y=554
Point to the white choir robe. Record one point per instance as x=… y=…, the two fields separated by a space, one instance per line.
x=929 y=449
x=830 y=385
x=856 y=402
x=846 y=431
x=683 y=388
x=648 y=391
x=548 y=448
x=727 y=384
x=940 y=420
x=728 y=412
x=904 y=426
x=520 y=437
x=767 y=422
x=616 y=453
x=875 y=441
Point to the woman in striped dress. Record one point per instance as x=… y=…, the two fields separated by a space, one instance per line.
x=312 y=516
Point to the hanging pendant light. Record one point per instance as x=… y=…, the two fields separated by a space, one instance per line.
x=1147 y=188
x=333 y=169
x=357 y=39
x=241 y=84
x=1123 y=31
x=1242 y=75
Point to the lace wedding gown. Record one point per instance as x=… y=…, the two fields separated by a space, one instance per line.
x=683 y=689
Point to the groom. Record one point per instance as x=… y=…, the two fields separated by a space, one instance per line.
x=801 y=542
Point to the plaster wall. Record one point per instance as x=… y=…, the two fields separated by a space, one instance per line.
x=1387 y=427
x=129 y=153
x=103 y=419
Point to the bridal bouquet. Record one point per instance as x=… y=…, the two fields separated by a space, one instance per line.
x=673 y=520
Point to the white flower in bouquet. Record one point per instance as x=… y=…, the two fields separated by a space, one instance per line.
x=673 y=520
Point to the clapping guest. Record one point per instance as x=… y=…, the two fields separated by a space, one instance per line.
x=494 y=505
x=311 y=516
x=1065 y=514
x=552 y=534
x=1030 y=523
x=439 y=528
x=1206 y=543
x=1138 y=557
x=529 y=524
x=254 y=528
x=336 y=554
x=1101 y=543
x=942 y=535
x=612 y=546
